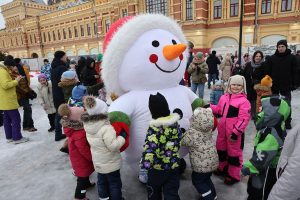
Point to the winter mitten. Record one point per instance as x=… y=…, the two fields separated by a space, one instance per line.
x=245 y=171
x=233 y=136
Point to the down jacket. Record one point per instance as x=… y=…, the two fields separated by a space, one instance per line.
x=288 y=173
x=105 y=145
x=225 y=67
x=198 y=71
x=79 y=149
x=45 y=96
x=202 y=151
x=235 y=113
x=8 y=100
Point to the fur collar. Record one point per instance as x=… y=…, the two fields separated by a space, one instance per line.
x=92 y=118
x=66 y=83
x=165 y=121
x=262 y=87
x=76 y=125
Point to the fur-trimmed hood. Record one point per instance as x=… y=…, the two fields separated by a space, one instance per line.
x=75 y=125
x=93 y=123
x=262 y=87
x=67 y=83
x=165 y=121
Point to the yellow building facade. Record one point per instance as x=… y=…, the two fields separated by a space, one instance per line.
x=78 y=27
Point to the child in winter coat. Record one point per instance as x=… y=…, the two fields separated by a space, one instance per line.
x=67 y=82
x=79 y=149
x=216 y=93
x=235 y=110
x=45 y=98
x=268 y=144
x=202 y=151
x=105 y=146
x=161 y=150
x=263 y=89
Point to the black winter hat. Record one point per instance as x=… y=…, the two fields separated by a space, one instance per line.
x=214 y=52
x=9 y=62
x=158 y=106
x=282 y=42
x=59 y=54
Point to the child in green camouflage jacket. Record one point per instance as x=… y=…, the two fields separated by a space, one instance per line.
x=268 y=144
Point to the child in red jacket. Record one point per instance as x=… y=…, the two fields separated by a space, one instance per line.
x=79 y=149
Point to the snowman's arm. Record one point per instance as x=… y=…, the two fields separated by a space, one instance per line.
x=198 y=102
x=120 y=121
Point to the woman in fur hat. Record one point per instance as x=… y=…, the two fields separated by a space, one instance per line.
x=235 y=110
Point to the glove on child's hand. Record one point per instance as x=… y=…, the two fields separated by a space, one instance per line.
x=123 y=133
x=233 y=137
x=245 y=171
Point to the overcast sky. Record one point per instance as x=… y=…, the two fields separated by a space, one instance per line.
x=2 y=24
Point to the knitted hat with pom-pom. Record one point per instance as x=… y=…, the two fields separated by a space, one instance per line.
x=266 y=81
x=95 y=106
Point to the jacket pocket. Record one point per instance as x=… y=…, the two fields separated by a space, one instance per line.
x=232 y=112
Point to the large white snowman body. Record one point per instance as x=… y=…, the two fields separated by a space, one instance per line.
x=151 y=60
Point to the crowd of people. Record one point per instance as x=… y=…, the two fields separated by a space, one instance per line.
x=73 y=97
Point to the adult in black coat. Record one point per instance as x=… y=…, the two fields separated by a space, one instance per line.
x=58 y=67
x=80 y=66
x=282 y=67
x=212 y=62
x=89 y=74
x=298 y=68
x=190 y=60
x=253 y=73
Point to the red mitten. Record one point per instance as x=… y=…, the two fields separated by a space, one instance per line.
x=118 y=126
x=215 y=123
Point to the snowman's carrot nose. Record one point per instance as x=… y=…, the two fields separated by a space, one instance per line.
x=173 y=51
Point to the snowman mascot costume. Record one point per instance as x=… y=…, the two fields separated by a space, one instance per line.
x=144 y=55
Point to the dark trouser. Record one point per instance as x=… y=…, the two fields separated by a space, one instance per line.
x=1 y=118
x=110 y=185
x=211 y=77
x=27 y=114
x=163 y=180
x=253 y=109
x=189 y=80
x=288 y=96
x=262 y=193
x=12 y=124
x=82 y=184
x=204 y=185
x=51 y=118
x=58 y=131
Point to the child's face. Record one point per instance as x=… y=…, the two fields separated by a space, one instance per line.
x=43 y=81
x=218 y=87
x=236 y=88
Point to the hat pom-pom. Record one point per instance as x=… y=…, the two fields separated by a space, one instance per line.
x=64 y=110
x=89 y=102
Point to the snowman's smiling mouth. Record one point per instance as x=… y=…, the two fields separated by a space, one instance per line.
x=167 y=71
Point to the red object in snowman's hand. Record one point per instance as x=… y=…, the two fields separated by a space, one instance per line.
x=119 y=126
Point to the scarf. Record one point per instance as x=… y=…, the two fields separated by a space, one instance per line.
x=256 y=65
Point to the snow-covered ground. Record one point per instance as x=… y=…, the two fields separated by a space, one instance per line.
x=37 y=170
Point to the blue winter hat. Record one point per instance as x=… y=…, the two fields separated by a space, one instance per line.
x=78 y=92
x=68 y=75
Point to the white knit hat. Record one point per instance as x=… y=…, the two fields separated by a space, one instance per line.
x=94 y=106
x=122 y=35
x=237 y=79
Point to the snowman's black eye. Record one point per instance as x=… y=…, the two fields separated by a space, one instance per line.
x=174 y=42
x=155 y=43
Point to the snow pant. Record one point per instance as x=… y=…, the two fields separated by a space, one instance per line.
x=204 y=185
x=288 y=96
x=12 y=124
x=27 y=114
x=1 y=118
x=230 y=154
x=263 y=192
x=58 y=131
x=211 y=77
x=200 y=88
x=82 y=184
x=51 y=118
x=166 y=181
x=110 y=186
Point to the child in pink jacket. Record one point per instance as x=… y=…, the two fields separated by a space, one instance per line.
x=235 y=110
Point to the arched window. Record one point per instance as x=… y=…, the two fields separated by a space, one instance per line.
x=189 y=9
x=157 y=6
